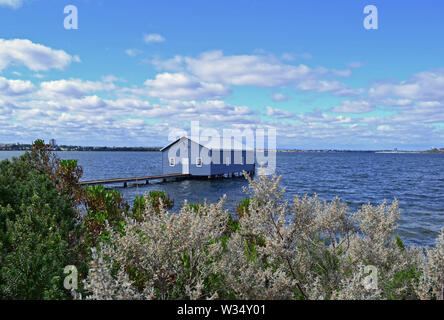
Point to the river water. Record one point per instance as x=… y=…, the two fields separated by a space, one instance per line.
x=416 y=180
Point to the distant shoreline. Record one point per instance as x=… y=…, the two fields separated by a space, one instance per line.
x=157 y=149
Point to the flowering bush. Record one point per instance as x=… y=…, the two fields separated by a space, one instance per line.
x=307 y=249
x=165 y=256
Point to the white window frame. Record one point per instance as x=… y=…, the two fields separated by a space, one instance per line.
x=172 y=162
x=199 y=159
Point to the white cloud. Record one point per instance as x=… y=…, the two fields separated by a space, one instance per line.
x=428 y=85
x=73 y=87
x=318 y=116
x=288 y=57
x=277 y=97
x=173 y=64
x=122 y=120
x=34 y=56
x=15 y=87
x=325 y=86
x=384 y=128
x=132 y=52
x=74 y=108
x=292 y=57
x=341 y=73
x=153 y=37
x=396 y=102
x=421 y=112
x=419 y=99
x=278 y=113
x=430 y=104
x=357 y=106
x=92 y=104
x=180 y=86
x=238 y=70
x=209 y=107
x=15 y=4
x=112 y=78
x=256 y=70
x=6 y=110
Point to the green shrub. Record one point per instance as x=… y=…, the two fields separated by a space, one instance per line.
x=243 y=207
x=64 y=174
x=194 y=206
x=156 y=197
x=37 y=227
x=103 y=206
x=138 y=208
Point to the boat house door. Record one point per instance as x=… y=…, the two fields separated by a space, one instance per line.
x=185 y=166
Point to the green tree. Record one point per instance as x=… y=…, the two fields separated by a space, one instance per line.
x=37 y=227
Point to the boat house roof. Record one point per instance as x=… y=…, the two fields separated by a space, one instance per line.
x=216 y=144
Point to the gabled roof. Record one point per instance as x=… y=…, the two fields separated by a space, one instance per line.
x=216 y=144
x=169 y=145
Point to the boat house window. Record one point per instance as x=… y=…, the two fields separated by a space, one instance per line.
x=198 y=162
x=172 y=162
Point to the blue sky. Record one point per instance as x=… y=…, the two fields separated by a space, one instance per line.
x=136 y=70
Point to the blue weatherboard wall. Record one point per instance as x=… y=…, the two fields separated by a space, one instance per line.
x=208 y=168
x=175 y=150
x=222 y=167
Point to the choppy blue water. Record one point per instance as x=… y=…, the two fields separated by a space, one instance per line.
x=416 y=180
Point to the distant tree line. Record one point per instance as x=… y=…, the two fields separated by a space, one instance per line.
x=27 y=147
x=436 y=150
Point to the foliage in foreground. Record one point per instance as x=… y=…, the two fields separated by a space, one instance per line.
x=37 y=229
x=48 y=221
x=309 y=249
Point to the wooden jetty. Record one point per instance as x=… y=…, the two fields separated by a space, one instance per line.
x=162 y=177
x=125 y=181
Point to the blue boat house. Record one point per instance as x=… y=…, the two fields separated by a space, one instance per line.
x=216 y=158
